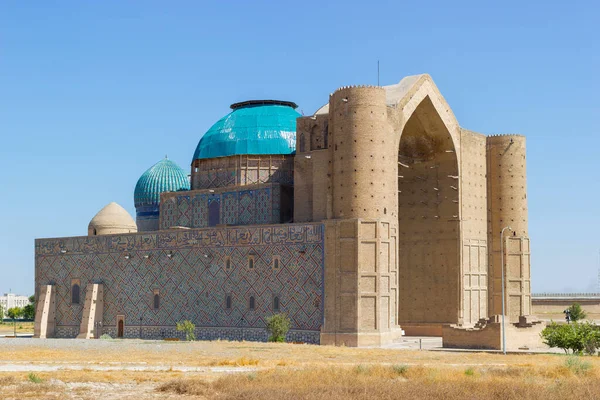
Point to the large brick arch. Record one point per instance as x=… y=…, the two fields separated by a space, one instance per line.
x=428 y=209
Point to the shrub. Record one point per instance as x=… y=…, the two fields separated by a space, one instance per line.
x=400 y=369
x=576 y=337
x=34 y=378
x=590 y=336
x=278 y=326
x=106 y=336
x=188 y=328
x=554 y=335
x=577 y=365
x=577 y=313
x=469 y=371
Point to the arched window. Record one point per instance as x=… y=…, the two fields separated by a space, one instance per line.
x=251 y=303
x=227 y=263
x=250 y=262
x=228 y=303
x=276 y=263
x=275 y=303
x=75 y=293
x=156 y=301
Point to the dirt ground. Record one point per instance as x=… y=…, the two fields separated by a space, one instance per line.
x=139 y=369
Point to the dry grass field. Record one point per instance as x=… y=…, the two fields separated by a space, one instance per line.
x=7 y=328
x=133 y=369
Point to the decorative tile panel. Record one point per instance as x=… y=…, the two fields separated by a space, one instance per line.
x=245 y=205
x=187 y=267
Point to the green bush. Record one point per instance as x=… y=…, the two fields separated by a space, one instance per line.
x=400 y=369
x=577 y=313
x=106 y=336
x=34 y=378
x=577 y=365
x=576 y=337
x=188 y=327
x=469 y=371
x=278 y=326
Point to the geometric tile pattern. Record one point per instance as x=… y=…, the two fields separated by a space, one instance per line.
x=246 y=207
x=229 y=208
x=263 y=212
x=239 y=206
x=199 y=211
x=188 y=268
x=184 y=211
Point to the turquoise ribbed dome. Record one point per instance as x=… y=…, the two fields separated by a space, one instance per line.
x=253 y=127
x=164 y=176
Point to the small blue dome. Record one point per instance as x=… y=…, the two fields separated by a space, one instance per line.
x=253 y=127
x=164 y=176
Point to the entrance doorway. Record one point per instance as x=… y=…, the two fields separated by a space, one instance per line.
x=120 y=326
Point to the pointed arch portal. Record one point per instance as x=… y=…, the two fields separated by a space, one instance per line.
x=428 y=220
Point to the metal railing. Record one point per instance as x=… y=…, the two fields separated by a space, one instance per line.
x=566 y=295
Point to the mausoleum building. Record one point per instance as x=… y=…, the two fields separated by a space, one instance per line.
x=377 y=215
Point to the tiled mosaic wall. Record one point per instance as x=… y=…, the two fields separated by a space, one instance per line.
x=201 y=209
x=189 y=270
x=204 y=333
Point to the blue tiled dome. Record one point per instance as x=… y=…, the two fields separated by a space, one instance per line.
x=164 y=176
x=253 y=127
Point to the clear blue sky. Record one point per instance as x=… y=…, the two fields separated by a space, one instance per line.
x=93 y=93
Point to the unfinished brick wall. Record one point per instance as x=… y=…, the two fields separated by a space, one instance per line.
x=361 y=239
x=429 y=220
x=473 y=196
x=364 y=170
x=360 y=282
x=313 y=170
x=242 y=170
x=507 y=206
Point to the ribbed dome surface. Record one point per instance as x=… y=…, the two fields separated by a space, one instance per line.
x=253 y=127
x=164 y=176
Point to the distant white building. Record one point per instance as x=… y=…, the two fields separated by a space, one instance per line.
x=10 y=300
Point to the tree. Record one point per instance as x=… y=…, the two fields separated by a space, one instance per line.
x=576 y=312
x=188 y=327
x=1 y=314
x=14 y=313
x=29 y=309
x=577 y=337
x=278 y=326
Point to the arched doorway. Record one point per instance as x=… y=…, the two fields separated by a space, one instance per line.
x=120 y=326
x=428 y=222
